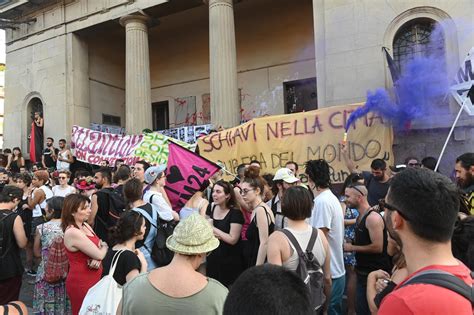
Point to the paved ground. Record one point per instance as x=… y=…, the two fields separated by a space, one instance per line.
x=27 y=288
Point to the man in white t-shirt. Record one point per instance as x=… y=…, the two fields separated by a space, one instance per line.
x=327 y=216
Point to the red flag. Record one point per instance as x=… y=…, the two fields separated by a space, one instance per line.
x=32 y=144
x=185 y=173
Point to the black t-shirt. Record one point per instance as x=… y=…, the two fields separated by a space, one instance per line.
x=376 y=190
x=127 y=262
x=101 y=217
x=149 y=209
x=48 y=160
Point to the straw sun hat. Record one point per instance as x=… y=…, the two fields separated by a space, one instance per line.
x=192 y=236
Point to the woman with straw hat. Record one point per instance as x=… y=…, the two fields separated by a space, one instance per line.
x=178 y=288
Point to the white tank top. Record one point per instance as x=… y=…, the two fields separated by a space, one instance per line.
x=303 y=239
x=62 y=165
x=37 y=210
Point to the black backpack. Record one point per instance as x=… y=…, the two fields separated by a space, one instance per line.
x=445 y=280
x=309 y=269
x=3 y=247
x=116 y=208
x=160 y=254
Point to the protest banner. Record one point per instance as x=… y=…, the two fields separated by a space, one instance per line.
x=185 y=174
x=299 y=137
x=154 y=148
x=94 y=146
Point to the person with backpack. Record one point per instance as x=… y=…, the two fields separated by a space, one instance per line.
x=37 y=196
x=156 y=179
x=106 y=204
x=50 y=297
x=133 y=190
x=302 y=248
x=421 y=209
x=12 y=238
x=84 y=249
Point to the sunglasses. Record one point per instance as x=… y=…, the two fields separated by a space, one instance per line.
x=355 y=188
x=62 y=177
x=383 y=205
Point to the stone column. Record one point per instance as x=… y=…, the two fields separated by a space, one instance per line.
x=225 y=108
x=137 y=74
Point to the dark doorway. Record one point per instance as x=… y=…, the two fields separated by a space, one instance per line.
x=300 y=95
x=160 y=113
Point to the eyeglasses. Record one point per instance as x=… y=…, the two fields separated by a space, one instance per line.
x=383 y=205
x=243 y=192
x=355 y=188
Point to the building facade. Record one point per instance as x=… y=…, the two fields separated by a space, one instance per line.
x=161 y=64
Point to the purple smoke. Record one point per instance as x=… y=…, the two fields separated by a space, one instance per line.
x=422 y=83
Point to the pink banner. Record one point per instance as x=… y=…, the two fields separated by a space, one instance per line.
x=186 y=171
x=94 y=146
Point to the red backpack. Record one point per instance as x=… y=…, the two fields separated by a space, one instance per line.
x=56 y=266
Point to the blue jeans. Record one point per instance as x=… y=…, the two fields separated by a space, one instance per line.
x=362 y=307
x=337 y=291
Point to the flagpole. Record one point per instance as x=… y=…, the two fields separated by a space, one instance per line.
x=450 y=133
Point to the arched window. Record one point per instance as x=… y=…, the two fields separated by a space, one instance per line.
x=415 y=39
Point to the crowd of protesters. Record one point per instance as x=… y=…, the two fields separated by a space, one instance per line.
x=386 y=233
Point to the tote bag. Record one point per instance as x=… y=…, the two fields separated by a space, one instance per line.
x=104 y=297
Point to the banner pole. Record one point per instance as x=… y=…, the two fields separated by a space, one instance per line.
x=450 y=133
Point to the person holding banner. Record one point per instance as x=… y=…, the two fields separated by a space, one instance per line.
x=224 y=263
x=262 y=221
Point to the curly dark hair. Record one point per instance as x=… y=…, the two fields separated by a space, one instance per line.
x=128 y=225
x=318 y=172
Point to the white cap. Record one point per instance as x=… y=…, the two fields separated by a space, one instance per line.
x=286 y=175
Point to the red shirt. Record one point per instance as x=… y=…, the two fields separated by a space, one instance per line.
x=429 y=299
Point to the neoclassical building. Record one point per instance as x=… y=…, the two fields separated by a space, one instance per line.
x=160 y=64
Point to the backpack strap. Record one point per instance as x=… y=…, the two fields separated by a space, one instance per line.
x=445 y=280
x=146 y=215
x=294 y=241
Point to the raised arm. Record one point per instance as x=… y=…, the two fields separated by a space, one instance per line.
x=347 y=160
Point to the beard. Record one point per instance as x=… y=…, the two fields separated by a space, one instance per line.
x=468 y=181
x=49 y=144
x=388 y=223
x=98 y=186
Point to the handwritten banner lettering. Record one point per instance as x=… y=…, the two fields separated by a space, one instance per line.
x=154 y=148
x=276 y=140
x=94 y=146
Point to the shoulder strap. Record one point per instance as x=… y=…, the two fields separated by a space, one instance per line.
x=114 y=262
x=151 y=198
x=445 y=280
x=16 y=306
x=293 y=241
x=312 y=240
x=146 y=215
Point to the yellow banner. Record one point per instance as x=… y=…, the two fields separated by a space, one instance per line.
x=318 y=134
